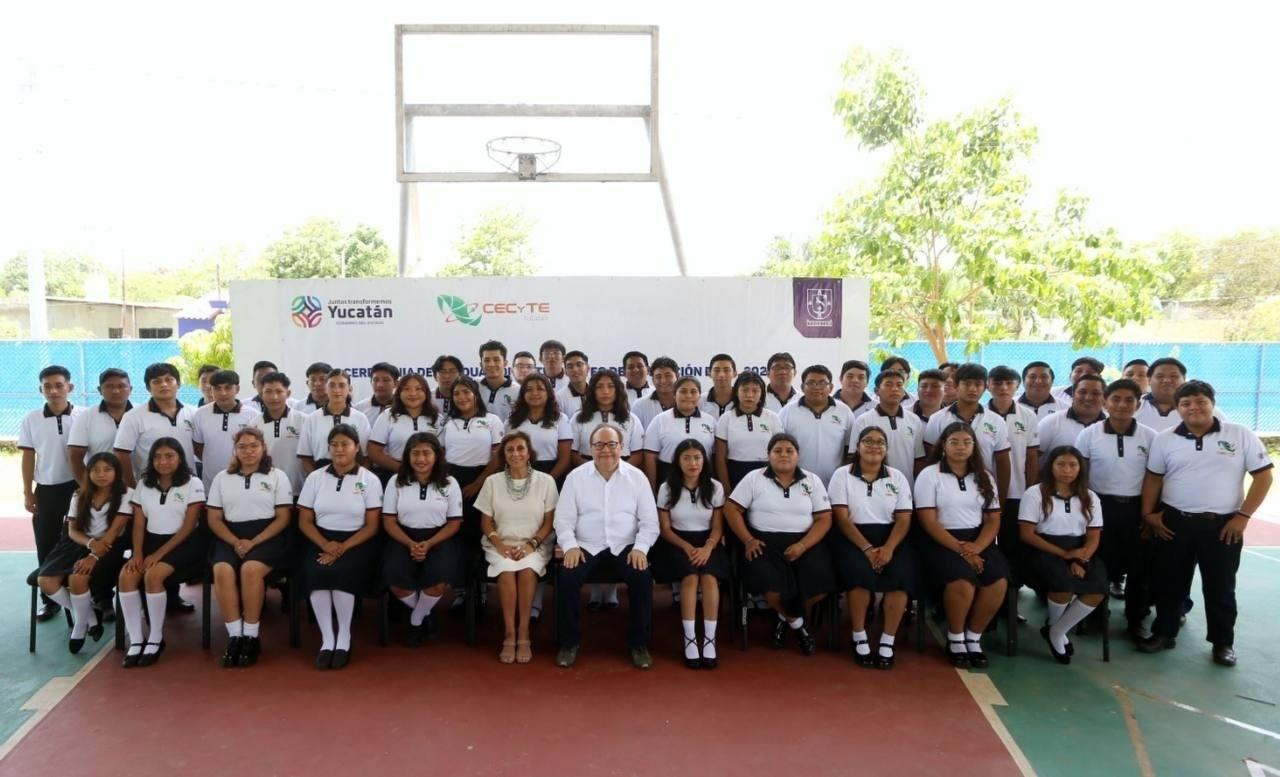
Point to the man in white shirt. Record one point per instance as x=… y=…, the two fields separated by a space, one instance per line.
x=988 y=426
x=664 y=372
x=523 y=365
x=383 y=378
x=723 y=371
x=1023 y=428
x=779 y=392
x=215 y=423
x=569 y=399
x=635 y=368
x=1085 y=365
x=854 y=377
x=606 y=518
x=1037 y=390
x=820 y=424
x=552 y=355
x=1138 y=371
x=1062 y=428
x=498 y=391
x=95 y=432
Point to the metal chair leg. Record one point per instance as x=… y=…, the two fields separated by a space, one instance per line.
x=35 y=598
x=1011 y=622
x=294 y=593
x=119 y=624
x=206 y=609
x=384 y=618
x=1106 y=629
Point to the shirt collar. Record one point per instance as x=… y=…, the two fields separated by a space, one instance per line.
x=504 y=384
x=1071 y=413
x=102 y=406
x=1049 y=400
x=852 y=406
x=880 y=411
x=329 y=469
x=1181 y=430
x=153 y=407
x=697 y=413
x=1131 y=431
x=818 y=414
x=781 y=400
x=50 y=414
x=759 y=409
x=1013 y=408
x=918 y=409
x=220 y=411
x=769 y=473
x=266 y=414
x=639 y=392
x=881 y=475
x=311 y=401
x=346 y=411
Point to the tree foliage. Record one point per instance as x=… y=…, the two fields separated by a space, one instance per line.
x=497 y=246
x=1260 y=323
x=319 y=249
x=205 y=347
x=64 y=275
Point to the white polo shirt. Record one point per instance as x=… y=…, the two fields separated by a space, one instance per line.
x=252 y=498
x=1046 y=408
x=988 y=426
x=823 y=435
x=771 y=508
x=1066 y=518
x=213 y=428
x=669 y=430
x=416 y=506
x=634 y=395
x=314 y=443
x=546 y=441
x=569 y=400
x=95 y=430
x=100 y=518
x=1117 y=462
x=775 y=403
x=689 y=513
x=282 y=435
x=143 y=425
x=648 y=409
x=469 y=442
x=746 y=435
x=865 y=404
x=166 y=509
x=1206 y=474
x=597 y=514
x=340 y=501
x=1151 y=416
x=371 y=409
x=1023 y=427
x=393 y=430
x=904 y=431
x=877 y=502
x=500 y=401
x=632 y=433
x=710 y=407
x=557 y=382
x=47 y=434
x=958 y=501
x=1063 y=429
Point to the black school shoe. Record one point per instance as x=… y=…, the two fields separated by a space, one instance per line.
x=324 y=659
x=231 y=656
x=1061 y=658
x=250 y=649
x=869 y=660
x=808 y=645
x=780 y=630
x=147 y=659
x=48 y=611
x=340 y=659
x=1224 y=655
x=130 y=660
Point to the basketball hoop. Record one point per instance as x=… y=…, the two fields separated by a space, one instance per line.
x=524 y=155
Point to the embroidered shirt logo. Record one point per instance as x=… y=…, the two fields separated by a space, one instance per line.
x=891 y=488
x=1142 y=449
x=764 y=427
x=264 y=485
x=178 y=497
x=1226 y=447
x=360 y=486
x=1019 y=427
x=988 y=428
x=807 y=489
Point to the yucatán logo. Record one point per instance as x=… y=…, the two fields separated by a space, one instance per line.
x=306 y=311
x=456 y=310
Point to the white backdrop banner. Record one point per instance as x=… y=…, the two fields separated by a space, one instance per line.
x=352 y=323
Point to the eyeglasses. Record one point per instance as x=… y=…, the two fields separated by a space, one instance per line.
x=611 y=445
x=873 y=444
x=817 y=384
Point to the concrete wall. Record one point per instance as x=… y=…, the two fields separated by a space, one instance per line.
x=96 y=317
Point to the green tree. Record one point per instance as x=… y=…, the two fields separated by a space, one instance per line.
x=497 y=245
x=319 y=249
x=945 y=233
x=1242 y=267
x=1261 y=323
x=204 y=347
x=64 y=275
x=1181 y=267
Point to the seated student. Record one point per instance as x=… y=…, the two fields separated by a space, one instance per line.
x=383 y=378
x=166 y=540
x=411 y=412
x=688 y=549
x=313 y=446
x=743 y=432
x=663 y=397
x=871 y=507
x=684 y=421
x=523 y=365
x=539 y=415
x=249 y=508
x=723 y=371
x=422 y=513
x=338 y=511
x=781 y=514
x=89 y=553
x=577 y=369
x=959 y=511
x=1061 y=522
x=904 y=431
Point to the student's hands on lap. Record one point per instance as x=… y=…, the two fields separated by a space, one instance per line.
x=638 y=561
x=753 y=548
x=572 y=558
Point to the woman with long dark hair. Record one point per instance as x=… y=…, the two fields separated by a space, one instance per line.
x=537 y=413
x=411 y=412
x=313 y=444
x=606 y=403
x=685 y=420
x=743 y=431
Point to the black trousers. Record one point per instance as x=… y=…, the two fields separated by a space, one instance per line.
x=1125 y=554
x=49 y=521
x=569 y=592
x=1195 y=542
x=1009 y=540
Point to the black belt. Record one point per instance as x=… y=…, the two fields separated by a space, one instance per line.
x=1204 y=516
x=1123 y=500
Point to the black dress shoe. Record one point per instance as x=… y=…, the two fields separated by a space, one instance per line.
x=1157 y=643
x=808 y=645
x=780 y=630
x=883 y=661
x=958 y=660
x=48 y=611
x=416 y=634
x=324 y=659
x=1224 y=655
x=340 y=659
x=978 y=659
x=868 y=660
x=75 y=645
x=250 y=649
x=179 y=606
x=696 y=661
x=231 y=655
x=1061 y=658
x=130 y=660
x=708 y=662
x=95 y=631
x=594 y=606
x=147 y=659
x=1137 y=632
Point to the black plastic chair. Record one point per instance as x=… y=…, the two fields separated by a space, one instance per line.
x=35 y=605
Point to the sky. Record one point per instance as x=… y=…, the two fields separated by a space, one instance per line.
x=152 y=134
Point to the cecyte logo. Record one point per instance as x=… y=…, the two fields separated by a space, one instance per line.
x=307 y=311
x=456 y=309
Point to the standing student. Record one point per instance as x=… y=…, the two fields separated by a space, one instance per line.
x=317 y=375
x=903 y=431
x=1061 y=522
x=523 y=365
x=606 y=403
x=821 y=424
x=1085 y=365
x=95 y=429
x=551 y=354
x=421 y=513
x=447 y=370
x=988 y=426
x=166 y=543
x=900 y=364
x=1064 y=427
x=682 y=422
x=1024 y=455
x=743 y=432
x=1116 y=450
x=338 y=512
x=635 y=367
x=929 y=388
x=871 y=509
x=203 y=376
x=249 y=507
x=1159 y=408
x=281 y=425
x=781 y=369
x=499 y=391
x=577 y=368
x=214 y=424
x=313 y=446
x=162 y=416
x=89 y=554
x=854 y=377
x=411 y=412
x=688 y=552
x=1037 y=390
x=1138 y=370
x=383 y=378
x=47 y=479
x=663 y=397
x=723 y=371
x=949 y=383
x=539 y=416
x=1194 y=502
x=261 y=368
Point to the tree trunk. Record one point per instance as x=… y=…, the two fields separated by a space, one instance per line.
x=937 y=339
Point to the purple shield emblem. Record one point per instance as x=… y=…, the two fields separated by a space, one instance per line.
x=817 y=306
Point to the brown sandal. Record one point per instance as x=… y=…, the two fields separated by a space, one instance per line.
x=524 y=651
x=508 y=653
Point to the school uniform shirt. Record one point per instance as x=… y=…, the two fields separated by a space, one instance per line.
x=1149 y=414
x=918 y=411
x=469 y=442
x=634 y=394
x=958 y=501
x=1063 y=429
x=569 y=400
x=309 y=405
x=709 y=406
x=1048 y=407
x=1206 y=474
x=876 y=502
x=1117 y=462
x=904 y=431
x=393 y=430
x=416 y=506
x=314 y=443
x=864 y=404
x=688 y=513
x=213 y=429
x=254 y=497
x=46 y=434
x=670 y=429
x=988 y=426
x=559 y=381
x=501 y=400
x=165 y=509
x=746 y=435
x=443 y=403
x=143 y=425
x=597 y=514
x=371 y=409
x=775 y=402
x=546 y=442
x=772 y=508
x=95 y=430
x=282 y=435
x=100 y=517
x=632 y=433
x=648 y=409
x=1023 y=426
x=1066 y=518
x=340 y=501
x=823 y=435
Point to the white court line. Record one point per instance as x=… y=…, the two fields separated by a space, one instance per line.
x=1187 y=707
x=47 y=697
x=1262 y=555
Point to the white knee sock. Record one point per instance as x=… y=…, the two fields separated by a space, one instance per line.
x=973 y=641
x=690 y=638
x=235 y=628
x=422 y=609
x=798 y=623
x=860 y=643
x=82 y=614
x=1076 y=612
x=251 y=629
x=1056 y=610
x=886 y=645
x=131 y=608
x=156 y=604
x=61 y=596
x=708 y=639
x=409 y=601
x=322 y=604
x=344 y=604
